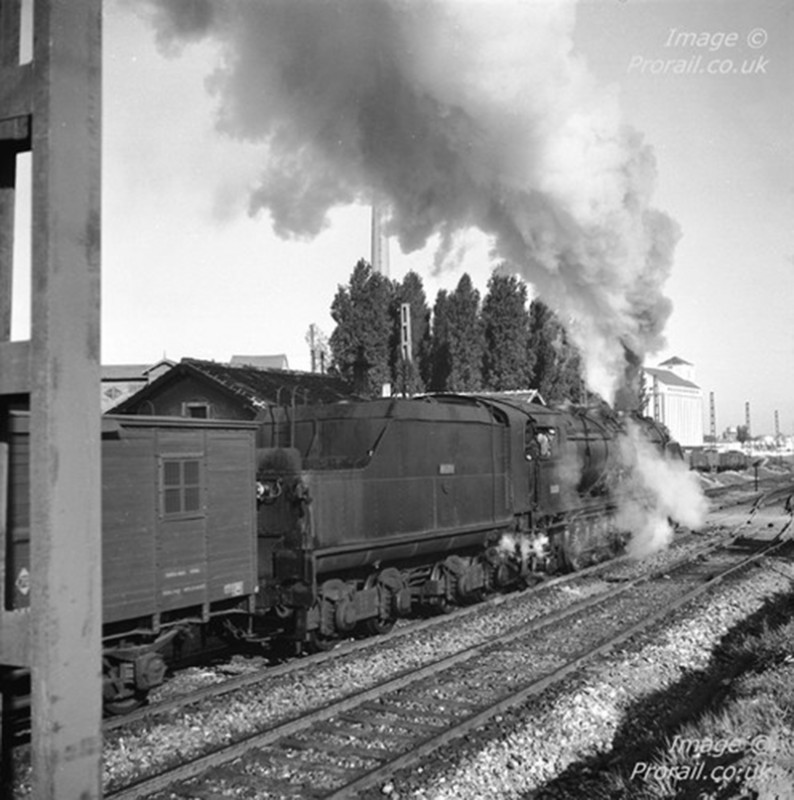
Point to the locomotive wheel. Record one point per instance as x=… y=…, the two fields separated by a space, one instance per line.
x=444 y=606
x=442 y=603
x=376 y=627
x=317 y=643
x=573 y=539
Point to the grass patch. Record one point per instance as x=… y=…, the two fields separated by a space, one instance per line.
x=723 y=732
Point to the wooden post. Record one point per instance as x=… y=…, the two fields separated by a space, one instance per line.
x=10 y=144
x=56 y=102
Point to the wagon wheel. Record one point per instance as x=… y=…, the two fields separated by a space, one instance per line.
x=124 y=705
x=119 y=698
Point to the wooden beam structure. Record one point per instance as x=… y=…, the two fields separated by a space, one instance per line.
x=51 y=107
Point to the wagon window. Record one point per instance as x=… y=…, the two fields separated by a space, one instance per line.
x=180 y=486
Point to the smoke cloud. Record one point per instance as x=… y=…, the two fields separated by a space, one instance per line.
x=654 y=494
x=462 y=115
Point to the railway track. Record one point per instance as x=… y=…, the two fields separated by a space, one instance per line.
x=724 y=516
x=18 y=726
x=180 y=712
x=410 y=629
x=359 y=740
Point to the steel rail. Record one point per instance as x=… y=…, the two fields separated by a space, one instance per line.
x=351 y=647
x=432 y=743
x=284 y=730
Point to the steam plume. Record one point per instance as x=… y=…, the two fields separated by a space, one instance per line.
x=655 y=491
x=461 y=114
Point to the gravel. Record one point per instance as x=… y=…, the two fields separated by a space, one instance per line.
x=134 y=751
x=131 y=752
x=578 y=725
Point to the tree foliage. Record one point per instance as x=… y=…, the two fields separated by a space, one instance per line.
x=440 y=357
x=557 y=371
x=507 y=360
x=463 y=341
x=464 y=346
x=410 y=375
x=360 y=342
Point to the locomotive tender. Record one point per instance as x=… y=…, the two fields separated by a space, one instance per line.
x=317 y=520
x=370 y=509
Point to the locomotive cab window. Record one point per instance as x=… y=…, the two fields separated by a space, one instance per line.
x=539 y=442
x=180 y=486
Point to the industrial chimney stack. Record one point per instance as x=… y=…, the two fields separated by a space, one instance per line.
x=380 y=242
x=712 y=418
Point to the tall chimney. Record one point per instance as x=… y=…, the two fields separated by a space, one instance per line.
x=747 y=418
x=712 y=417
x=380 y=242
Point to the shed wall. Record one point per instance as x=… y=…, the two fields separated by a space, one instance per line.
x=171 y=400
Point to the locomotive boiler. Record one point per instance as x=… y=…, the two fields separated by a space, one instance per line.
x=368 y=510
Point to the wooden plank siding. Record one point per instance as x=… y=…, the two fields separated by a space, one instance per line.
x=153 y=564
x=231 y=516
x=128 y=526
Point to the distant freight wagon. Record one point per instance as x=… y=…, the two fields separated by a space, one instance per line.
x=715 y=461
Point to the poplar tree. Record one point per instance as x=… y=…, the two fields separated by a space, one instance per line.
x=507 y=360
x=360 y=342
x=464 y=338
x=411 y=375
x=557 y=370
x=440 y=356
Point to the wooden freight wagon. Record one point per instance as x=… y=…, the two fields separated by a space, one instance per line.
x=178 y=537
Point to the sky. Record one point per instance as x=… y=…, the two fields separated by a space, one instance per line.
x=218 y=240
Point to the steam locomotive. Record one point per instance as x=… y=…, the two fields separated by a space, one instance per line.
x=368 y=510
x=317 y=521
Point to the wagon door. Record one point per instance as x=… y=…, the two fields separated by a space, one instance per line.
x=182 y=540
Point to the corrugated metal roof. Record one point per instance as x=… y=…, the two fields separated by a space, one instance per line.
x=132 y=372
x=253 y=387
x=124 y=372
x=669 y=378
x=675 y=361
x=261 y=362
x=261 y=387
